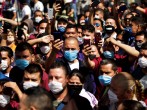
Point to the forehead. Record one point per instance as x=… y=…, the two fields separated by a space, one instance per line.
x=143 y=52
x=110 y=20
x=106 y=67
x=4 y=54
x=34 y=75
x=140 y=37
x=74 y=79
x=71 y=30
x=93 y=48
x=71 y=43
x=38 y=13
x=25 y=52
x=43 y=24
x=57 y=72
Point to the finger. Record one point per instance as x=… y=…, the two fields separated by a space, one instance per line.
x=85 y=46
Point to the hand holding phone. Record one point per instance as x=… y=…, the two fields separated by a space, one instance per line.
x=97 y=37
x=87 y=41
x=50 y=13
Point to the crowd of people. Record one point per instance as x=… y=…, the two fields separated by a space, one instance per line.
x=73 y=55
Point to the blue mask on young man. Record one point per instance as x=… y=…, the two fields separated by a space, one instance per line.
x=105 y=79
x=61 y=29
x=71 y=55
x=21 y=63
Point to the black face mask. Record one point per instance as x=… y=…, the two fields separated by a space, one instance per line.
x=91 y=56
x=75 y=89
x=109 y=29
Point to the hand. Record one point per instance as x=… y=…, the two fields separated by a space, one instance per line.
x=100 y=43
x=1 y=30
x=12 y=85
x=57 y=45
x=56 y=7
x=45 y=39
x=86 y=51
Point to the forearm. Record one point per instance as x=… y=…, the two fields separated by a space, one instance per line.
x=140 y=9
x=89 y=63
x=11 y=21
x=50 y=60
x=34 y=41
x=130 y=50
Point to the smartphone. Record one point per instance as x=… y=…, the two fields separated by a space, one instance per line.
x=87 y=42
x=57 y=35
x=122 y=8
x=95 y=3
x=19 y=34
x=97 y=37
x=1 y=24
x=50 y=13
x=58 y=2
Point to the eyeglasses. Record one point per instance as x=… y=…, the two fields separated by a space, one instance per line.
x=97 y=24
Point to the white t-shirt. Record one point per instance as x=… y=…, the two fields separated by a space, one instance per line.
x=74 y=65
x=38 y=6
x=26 y=11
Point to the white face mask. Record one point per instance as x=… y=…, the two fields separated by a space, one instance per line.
x=10 y=39
x=41 y=31
x=45 y=49
x=29 y=84
x=55 y=87
x=4 y=64
x=38 y=19
x=97 y=17
x=142 y=62
x=4 y=100
x=82 y=22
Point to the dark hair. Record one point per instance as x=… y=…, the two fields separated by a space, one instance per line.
x=144 y=46
x=139 y=21
x=108 y=61
x=89 y=27
x=43 y=21
x=144 y=2
x=58 y=64
x=7 y=49
x=24 y=46
x=39 y=98
x=144 y=33
x=33 y=68
x=76 y=72
x=132 y=105
x=71 y=19
x=71 y=26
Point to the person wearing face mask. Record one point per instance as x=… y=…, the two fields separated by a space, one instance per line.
x=110 y=27
x=71 y=59
x=76 y=86
x=107 y=71
x=6 y=56
x=62 y=22
x=38 y=16
x=62 y=98
x=140 y=38
x=7 y=90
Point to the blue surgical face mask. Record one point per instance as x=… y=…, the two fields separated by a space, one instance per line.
x=71 y=55
x=108 y=54
x=61 y=29
x=105 y=79
x=21 y=63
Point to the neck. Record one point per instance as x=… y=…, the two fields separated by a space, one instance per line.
x=10 y=43
x=7 y=70
x=61 y=96
x=73 y=61
x=35 y=1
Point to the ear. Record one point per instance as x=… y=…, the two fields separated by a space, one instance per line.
x=33 y=58
x=12 y=59
x=32 y=108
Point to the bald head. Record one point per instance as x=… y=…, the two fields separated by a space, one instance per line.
x=71 y=43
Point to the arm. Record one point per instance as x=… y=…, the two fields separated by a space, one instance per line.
x=130 y=50
x=86 y=52
x=10 y=21
x=57 y=45
x=140 y=9
x=44 y=39
x=15 y=87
